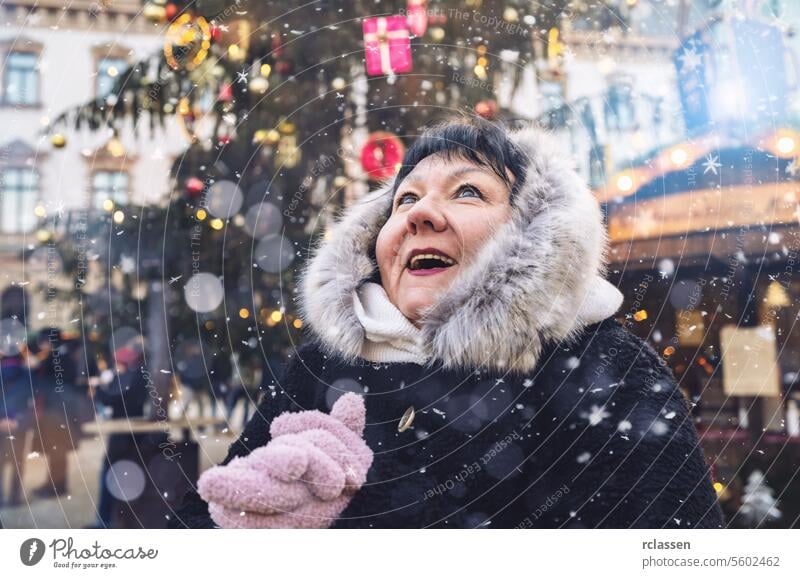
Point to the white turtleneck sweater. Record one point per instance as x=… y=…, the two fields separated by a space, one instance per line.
x=389 y=335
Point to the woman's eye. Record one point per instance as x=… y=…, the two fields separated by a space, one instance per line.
x=473 y=191
x=401 y=198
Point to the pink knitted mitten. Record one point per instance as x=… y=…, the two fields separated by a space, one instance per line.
x=303 y=478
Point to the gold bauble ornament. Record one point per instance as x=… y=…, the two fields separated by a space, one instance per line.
x=58 y=140
x=258 y=85
x=155 y=12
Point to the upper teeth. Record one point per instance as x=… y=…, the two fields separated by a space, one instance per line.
x=446 y=260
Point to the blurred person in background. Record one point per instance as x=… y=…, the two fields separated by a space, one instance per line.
x=244 y=385
x=124 y=391
x=197 y=378
x=53 y=375
x=14 y=420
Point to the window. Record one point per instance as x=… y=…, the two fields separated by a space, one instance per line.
x=111 y=185
x=108 y=71
x=21 y=80
x=18 y=200
x=620 y=109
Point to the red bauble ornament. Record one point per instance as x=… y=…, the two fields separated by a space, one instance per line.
x=277 y=47
x=488 y=109
x=382 y=155
x=223 y=140
x=170 y=10
x=194 y=186
x=225 y=92
x=216 y=33
x=283 y=67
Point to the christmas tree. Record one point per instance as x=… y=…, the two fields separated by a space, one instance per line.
x=290 y=111
x=759 y=506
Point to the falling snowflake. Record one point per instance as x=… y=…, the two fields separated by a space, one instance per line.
x=583 y=458
x=527 y=383
x=659 y=428
x=624 y=425
x=127 y=264
x=573 y=362
x=666 y=267
x=596 y=415
x=690 y=59
x=712 y=164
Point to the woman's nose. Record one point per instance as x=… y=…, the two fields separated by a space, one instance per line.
x=425 y=214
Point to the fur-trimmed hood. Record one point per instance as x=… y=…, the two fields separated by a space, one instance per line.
x=539 y=279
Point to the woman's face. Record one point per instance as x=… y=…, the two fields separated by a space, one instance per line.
x=445 y=210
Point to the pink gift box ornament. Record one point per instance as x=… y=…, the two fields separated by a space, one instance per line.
x=387 y=45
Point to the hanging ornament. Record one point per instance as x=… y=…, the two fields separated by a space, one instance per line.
x=488 y=109
x=225 y=92
x=417 y=18
x=216 y=33
x=170 y=10
x=258 y=85
x=190 y=38
x=287 y=127
x=437 y=18
x=277 y=46
x=260 y=136
x=155 y=11
x=382 y=155
x=58 y=140
x=387 y=48
x=234 y=38
x=283 y=67
x=510 y=14
x=288 y=153
x=194 y=187
x=338 y=83
x=437 y=33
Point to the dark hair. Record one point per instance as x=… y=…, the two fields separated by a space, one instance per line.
x=472 y=139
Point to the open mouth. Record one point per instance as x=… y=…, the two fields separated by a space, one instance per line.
x=428 y=263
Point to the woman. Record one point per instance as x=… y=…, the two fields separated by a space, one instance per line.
x=465 y=303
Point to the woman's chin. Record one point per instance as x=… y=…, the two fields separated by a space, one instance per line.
x=417 y=293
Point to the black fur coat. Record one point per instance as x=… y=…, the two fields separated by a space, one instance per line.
x=597 y=436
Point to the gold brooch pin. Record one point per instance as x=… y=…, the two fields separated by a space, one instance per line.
x=406 y=420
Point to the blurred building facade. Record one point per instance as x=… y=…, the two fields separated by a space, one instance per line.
x=58 y=55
